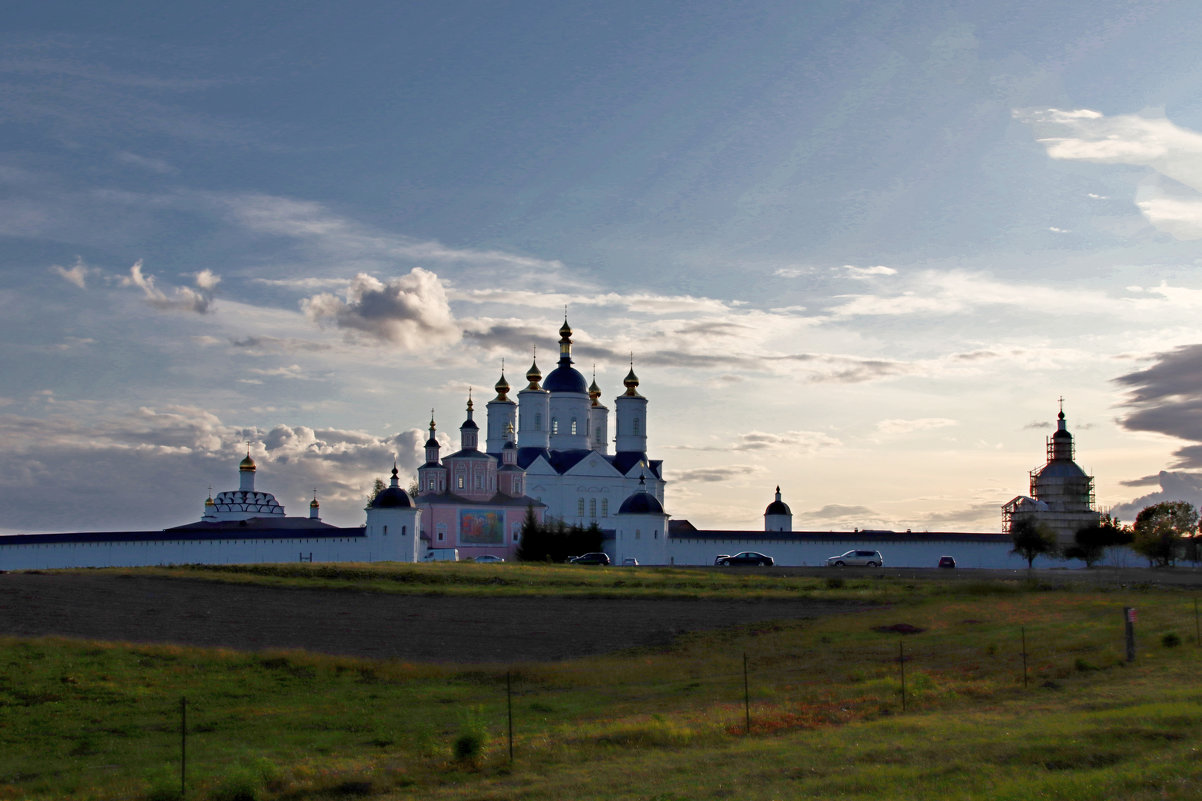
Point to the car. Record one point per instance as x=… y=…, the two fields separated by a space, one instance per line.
x=718 y=559
x=947 y=561
x=857 y=559
x=746 y=558
x=489 y=558
x=590 y=559
x=630 y=561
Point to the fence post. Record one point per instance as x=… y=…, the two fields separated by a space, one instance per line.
x=183 y=747
x=509 y=708
x=746 y=695
x=1024 y=629
x=901 y=661
x=1197 y=629
x=1129 y=625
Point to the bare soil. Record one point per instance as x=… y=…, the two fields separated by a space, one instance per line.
x=427 y=628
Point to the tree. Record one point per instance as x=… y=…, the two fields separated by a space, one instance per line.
x=531 y=544
x=376 y=489
x=1091 y=542
x=1031 y=539
x=1161 y=529
x=555 y=541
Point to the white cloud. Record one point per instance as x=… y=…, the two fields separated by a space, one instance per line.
x=897 y=427
x=198 y=299
x=1141 y=140
x=867 y=272
x=410 y=311
x=76 y=274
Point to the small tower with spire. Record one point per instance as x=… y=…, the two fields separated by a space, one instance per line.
x=598 y=419
x=432 y=476
x=778 y=516
x=502 y=416
x=534 y=411
x=631 y=417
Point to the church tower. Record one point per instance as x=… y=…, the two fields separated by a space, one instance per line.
x=502 y=417
x=632 y=418
x=569 y=399
x=534 y=412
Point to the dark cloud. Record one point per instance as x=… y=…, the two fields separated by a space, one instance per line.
x=411 y=311
x=1145 y=481
x=1174 y=486
x=1166 y=398
x=709 y=474
x=834 y=511
x=258 y=344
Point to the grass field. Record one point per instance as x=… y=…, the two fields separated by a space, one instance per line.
x=801 y=709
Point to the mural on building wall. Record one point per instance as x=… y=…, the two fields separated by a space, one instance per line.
x=482 y=528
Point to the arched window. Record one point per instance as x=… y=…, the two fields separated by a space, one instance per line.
x=637 y=425
x=554 y=425
x=573 y=425
x=592 y=508
x=580 y=507
x=459 y=480
x=605 y=507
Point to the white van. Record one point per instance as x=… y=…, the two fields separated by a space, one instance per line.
x=441 y=555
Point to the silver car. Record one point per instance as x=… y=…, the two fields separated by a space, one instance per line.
x=857 y=559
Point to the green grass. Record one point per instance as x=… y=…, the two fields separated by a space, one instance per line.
x=86 y=720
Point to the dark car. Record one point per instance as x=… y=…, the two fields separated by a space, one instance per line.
x=947 y=561
x=590 y=559
x=746 y=558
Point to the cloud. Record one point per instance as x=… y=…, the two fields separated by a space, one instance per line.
x=198 y=299
x=410 y=311
x=1174 y=486
x=1140 y=140
x=897 y=427
x=1166 y=398
x=76 y=274
x=148 y=467
x=707 y=475
x=794 y=441
x=867 y=272
x=155 y=165
x=837 y=512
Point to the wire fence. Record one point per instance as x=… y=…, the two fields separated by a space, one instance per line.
x=894 y=669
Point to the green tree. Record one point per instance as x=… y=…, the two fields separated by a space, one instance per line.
x=1162 y=529
x=376 y=489
x=1090 y=543
x=555 y=541
x=1031 y=539
x=532 y=546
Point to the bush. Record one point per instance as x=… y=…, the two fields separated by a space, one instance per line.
x=1170 y=640
x=468 y=746
x=834 y=583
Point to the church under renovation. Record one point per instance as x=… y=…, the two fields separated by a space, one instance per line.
x=546 y=453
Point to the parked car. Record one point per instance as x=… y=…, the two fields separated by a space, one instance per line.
x=746 y=558
x=718 y=559
x=857 y=559
x=947 y=561
x=590 y=559
x=489 y=558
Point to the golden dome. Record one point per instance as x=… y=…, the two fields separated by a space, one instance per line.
x=247 y=464
x=631 y=382
x=534 y=375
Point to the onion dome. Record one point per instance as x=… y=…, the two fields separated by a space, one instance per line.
x=392 y=497
x=594 y=393
x=533 y=375
x=631 y=382
x=209 y=501
x=778 y=507
x=313 y=504
x=247 y=465
x=469 y=422
x=502 y=388
x=565 y=378
x=432 y=442
x=641 y=503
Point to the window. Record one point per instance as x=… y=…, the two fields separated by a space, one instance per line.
x=517 y=486
x=573 y=425
x=403 y=530
x=479 y=481
x=460 y=480
x=554 y=425
x=385 y=531
x=580 y=507
x=637 y=425
x=605 y=507
x=592 y=508
x=638 y=534
x=538 y=421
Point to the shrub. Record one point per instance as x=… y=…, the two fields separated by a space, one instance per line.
x=834 y=583
x=1170 y=640
x=470 y=743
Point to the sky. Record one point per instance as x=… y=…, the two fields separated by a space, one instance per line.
x=859 y=250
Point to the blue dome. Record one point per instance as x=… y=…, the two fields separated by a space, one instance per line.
x=778 y=508
x=565 y=379
x=641 y=503
x=391 y=498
